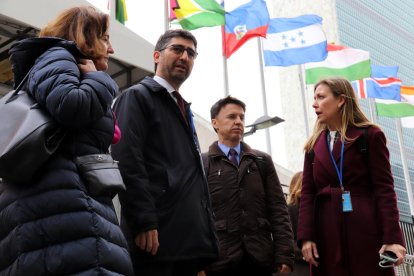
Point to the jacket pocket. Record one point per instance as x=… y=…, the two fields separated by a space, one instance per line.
x=221 y=225
x=263 y=223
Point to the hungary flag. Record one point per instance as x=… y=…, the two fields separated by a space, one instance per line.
x=193 y=14
x=351 y=64
x=397 y=109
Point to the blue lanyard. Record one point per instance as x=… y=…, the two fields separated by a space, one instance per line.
x=341 y=163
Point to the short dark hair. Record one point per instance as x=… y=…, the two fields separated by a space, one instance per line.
x=215 y=109
x=170 y=34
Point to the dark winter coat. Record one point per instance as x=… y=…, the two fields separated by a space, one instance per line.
x=348 y=243
x=250 y=212
x=51 y=226
x=161 y=166
x=301 y=267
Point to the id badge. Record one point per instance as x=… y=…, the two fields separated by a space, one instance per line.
x=346 y=202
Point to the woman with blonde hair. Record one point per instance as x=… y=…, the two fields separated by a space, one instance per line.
x=53 y=225
x=301 y=268
x=348 y=211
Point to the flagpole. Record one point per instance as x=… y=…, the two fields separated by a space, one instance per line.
x=304 y=101
x=167 y=15
x=225 y=68
x=404 y=166
x=372 y=109
x=262 y=80
x=226 y=77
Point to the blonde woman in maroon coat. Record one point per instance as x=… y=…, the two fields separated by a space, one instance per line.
x=348 y=212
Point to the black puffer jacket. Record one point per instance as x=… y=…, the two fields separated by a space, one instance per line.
x=51 y=226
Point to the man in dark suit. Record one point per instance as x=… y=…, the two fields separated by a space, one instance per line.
x=251 y=215
x=166 y=214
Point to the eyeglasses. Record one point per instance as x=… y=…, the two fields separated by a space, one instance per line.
x=179 y=50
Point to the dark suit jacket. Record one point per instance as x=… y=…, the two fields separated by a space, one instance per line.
x=166 y=188
x=348 y=243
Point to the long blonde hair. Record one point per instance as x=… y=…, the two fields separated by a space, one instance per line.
x=350 y=111
x=295 y=188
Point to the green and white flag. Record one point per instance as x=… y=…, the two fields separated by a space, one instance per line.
x=396 y=109
x=351 y=64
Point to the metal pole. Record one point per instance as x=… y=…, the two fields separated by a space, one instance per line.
x=225 y=68
x=167 y=15
x=262 y=80
x=404 y=166
x=226 y=77
x=304 y=101
x=372 y=110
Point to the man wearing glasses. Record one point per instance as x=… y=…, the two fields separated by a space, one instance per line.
x=166 y=212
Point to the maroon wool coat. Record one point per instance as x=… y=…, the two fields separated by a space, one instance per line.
x=348 y=243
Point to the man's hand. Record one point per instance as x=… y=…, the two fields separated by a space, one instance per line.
x=283 y=268
x=148 y=241
x=310 y=252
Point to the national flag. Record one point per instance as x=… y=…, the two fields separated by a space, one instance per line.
x=407 y=122
x=396 y=109
x=384 y=71
x=120 y=11
x=193 y=14
x=247 y=21
x=296 y=40
x=349 y=63
x=384 y=88
x=173 y=5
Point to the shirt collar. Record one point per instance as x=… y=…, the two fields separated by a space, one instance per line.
x=164 y=84
x=225 y=149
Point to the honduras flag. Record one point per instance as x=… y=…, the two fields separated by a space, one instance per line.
x=294 y=41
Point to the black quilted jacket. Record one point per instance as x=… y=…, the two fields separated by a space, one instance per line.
x=51 y=226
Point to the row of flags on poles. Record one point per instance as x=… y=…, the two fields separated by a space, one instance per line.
x=300 y=40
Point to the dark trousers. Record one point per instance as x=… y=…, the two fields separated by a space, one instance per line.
x=180 y=268
x=247 y=267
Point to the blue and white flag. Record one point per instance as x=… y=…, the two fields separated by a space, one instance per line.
x=384 y=71
x=295 y=40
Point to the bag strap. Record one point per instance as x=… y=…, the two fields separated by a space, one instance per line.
x=19 y=87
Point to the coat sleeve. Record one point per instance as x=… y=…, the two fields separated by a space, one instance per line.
x=278 y=216
x=383 y=185
x=306 y=226
x=75 y=100
x=133 y=112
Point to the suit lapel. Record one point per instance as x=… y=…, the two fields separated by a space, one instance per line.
x=321 y=147
x=353 y=134
x=322 y=155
